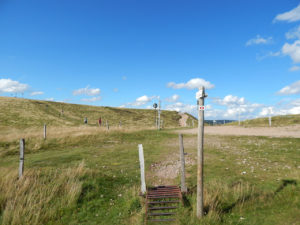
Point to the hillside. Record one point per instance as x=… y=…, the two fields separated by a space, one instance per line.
x=277 y=121
x=25 y=113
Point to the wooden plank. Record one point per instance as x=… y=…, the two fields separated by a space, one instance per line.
x=161 y=208
x=162 y=202
x=162 y=220
x=161 y=214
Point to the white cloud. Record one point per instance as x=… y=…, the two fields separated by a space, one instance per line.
x=49 y=99
x=142 y=100
x=173 y=98
x=290 y=16
x=294 y=68
x=293 y=34
x=36 y=93
x=87 y=91
x=293 y=50
x=194 y=83
x=93 y=99
x=269 y=54
x=11 y=86
x=267 y=111
x=296 y=102
x=230 y=100
x=116 y=89
x=292 y=89
x=259 y=40
x=181 y=107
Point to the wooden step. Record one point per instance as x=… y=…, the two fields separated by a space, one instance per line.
x=161 y=214
x=162 y=220
x=162 y=202
x=161 y=208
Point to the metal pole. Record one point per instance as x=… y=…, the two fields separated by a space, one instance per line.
x=200 y=160
x=181 y=151
x=22 y=150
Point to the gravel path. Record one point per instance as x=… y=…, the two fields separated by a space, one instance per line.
x=289 y=131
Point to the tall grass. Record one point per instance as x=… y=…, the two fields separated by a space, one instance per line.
x=40 y=195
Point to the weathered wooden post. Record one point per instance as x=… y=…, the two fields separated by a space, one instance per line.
x=107 y=125
x=159 y=112
x=182 y=163
x=120 y=124
x=200 y=200
x=22 y=151
x=270 y=121
x=45 y=131
x=142 y=168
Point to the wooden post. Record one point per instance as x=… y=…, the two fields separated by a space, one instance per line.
x=107 y=125
x=270 y=121
x=120 y=124
x=159 y=111
x=181 y=151
x=200 y=160
x=45 y=131
x=22 y=151
x=142 y=168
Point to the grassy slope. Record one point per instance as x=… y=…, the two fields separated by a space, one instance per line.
x=24 y=113
x=277 y=121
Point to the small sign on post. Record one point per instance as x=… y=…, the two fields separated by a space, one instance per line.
x=22 y=151
x=142 y=168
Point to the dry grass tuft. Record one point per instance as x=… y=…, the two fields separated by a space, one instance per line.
x=40 y=195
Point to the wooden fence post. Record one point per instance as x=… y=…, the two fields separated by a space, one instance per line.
x=45 y=131
x=142 y=168
x=200 y=200
x=181 y=152
x=22 y=155
x=270 y=121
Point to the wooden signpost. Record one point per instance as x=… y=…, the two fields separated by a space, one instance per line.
x=201 y=108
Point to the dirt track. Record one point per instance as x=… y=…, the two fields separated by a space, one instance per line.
x=290 y=131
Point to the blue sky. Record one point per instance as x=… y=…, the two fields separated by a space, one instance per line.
x=126 y=53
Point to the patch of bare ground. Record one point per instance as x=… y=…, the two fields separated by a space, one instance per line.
x=183 y=120
x=165 y=171
x=288 y=131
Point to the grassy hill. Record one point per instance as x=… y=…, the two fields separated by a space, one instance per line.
x=25 y=113
x=277 y=121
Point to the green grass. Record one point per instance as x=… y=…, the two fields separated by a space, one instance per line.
x=92 y=177
x=24 y=113
x=277 y=121
x=268 y=193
